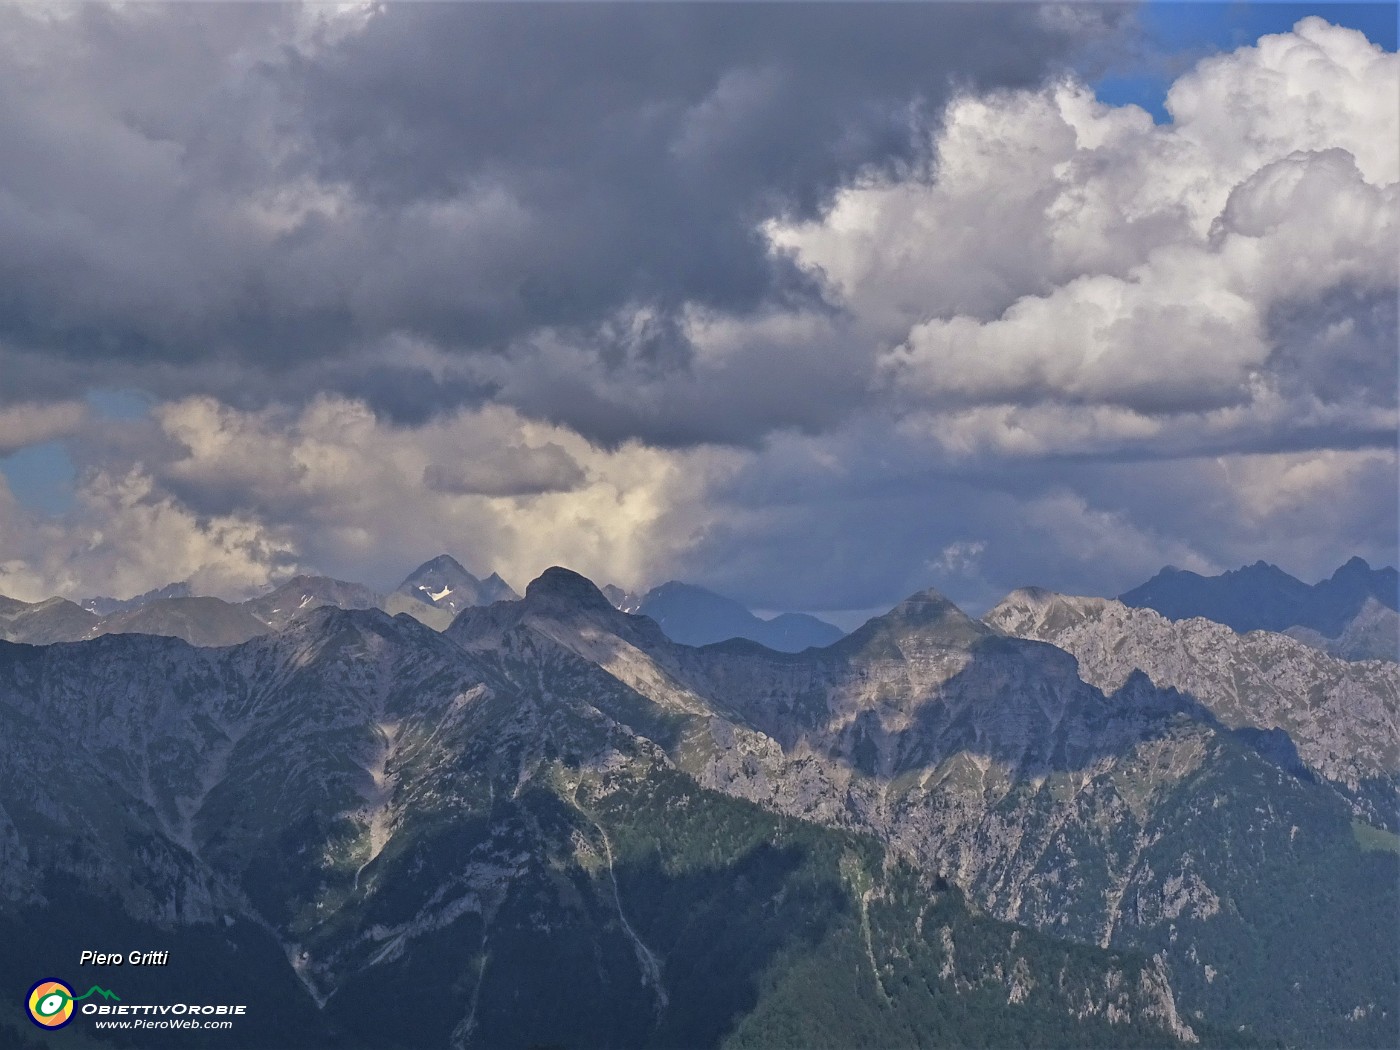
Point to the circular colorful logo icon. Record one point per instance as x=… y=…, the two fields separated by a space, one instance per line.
x=50 y=1004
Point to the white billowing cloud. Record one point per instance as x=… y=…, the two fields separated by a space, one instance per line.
x=1069 y=268
x=1067 y=352
x=26 y=424
x=237 y=500
x=21 y=547
x=517 y=470
x=1318 y=87
x=501 y=492
x=125 y=534
x=959 y=558
x=1272 y=491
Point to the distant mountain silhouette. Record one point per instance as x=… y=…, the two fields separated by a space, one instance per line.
x=692 y=615
x=1262 y=597
x=200 y=621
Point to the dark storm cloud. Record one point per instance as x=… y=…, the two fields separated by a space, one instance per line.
x=406 y=396
x=196 y=184
x=644 y=143
x=1339 y=345
x=1028 y=340
x=1092 y=528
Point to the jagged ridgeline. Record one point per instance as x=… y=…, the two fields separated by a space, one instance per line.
x=552 y=826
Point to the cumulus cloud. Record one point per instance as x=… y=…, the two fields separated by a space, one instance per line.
x=238 y=499
x=125 y=532
x=816 y=308
x=263 y=201
x=22 y=425
x=1067 y=270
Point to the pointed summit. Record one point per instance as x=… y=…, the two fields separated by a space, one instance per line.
x=923 y=619
x=443 y=563
x=443 y=584
x=1355 y=566
x=928 y=606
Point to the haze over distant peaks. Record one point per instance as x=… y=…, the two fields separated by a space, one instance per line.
x=199 y=621
x=433 y=594
x=39 y=623
x=302 y=593
x=693 y=615
x=442 y=583
x=108 y=606
x=1264 y=597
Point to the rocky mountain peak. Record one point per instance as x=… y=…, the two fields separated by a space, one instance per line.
x=1262 y=596
x=442 y=583
x=1031 y=609
x=560 y=586
x=626 y=601
x=929 y=607
x=925 y=618
x=304 y=592
x=443 y=573
x=327 y=622
x=443 y=563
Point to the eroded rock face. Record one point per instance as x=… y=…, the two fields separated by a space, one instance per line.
x=1372 y=634
x=1342 y=716
x=369 y=789
x=385 y=805
x=1114 y=816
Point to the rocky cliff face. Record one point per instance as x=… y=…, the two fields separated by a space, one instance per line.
x=1372 y=634
x=1127 y=815
x=1343 y=717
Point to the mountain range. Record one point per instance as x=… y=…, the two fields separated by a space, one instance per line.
x=434 y=593
x=1337 y=721
x=1074 y=823
x=1352 y=613
x=108 y=606
x=693 y=615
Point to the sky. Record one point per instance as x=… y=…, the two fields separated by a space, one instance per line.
x=816 y=306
